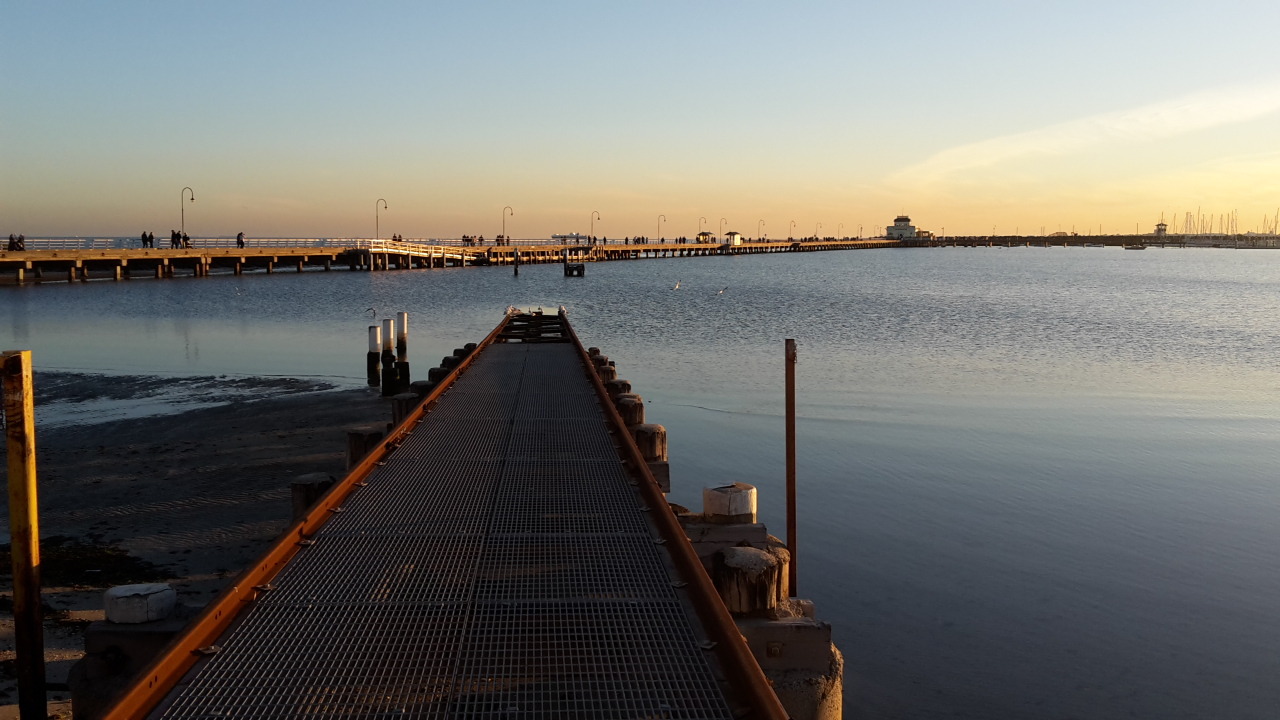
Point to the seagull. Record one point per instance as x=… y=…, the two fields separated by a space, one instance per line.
x=722 y=290
x=677 y=287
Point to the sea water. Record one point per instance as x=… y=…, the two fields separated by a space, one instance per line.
x=1033 y=483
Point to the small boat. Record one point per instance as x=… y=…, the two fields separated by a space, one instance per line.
x=1135 y=247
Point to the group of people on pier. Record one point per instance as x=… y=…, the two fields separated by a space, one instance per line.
x=17 y=242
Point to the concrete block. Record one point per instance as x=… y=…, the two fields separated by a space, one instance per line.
x=139 y=603
x=661 y=470
x=732 y=503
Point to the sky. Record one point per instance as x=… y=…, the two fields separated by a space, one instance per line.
x=657 y=118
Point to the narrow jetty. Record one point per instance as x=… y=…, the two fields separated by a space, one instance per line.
x=504 y=552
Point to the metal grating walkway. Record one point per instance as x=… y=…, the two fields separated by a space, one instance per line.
x=498 y=564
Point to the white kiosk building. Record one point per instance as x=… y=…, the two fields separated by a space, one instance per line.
x=901 y=229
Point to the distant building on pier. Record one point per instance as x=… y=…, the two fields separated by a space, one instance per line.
x=901 y=229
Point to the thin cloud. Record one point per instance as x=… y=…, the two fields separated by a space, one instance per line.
x=1150 y=122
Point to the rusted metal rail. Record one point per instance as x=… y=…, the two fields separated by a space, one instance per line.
x=505 y=552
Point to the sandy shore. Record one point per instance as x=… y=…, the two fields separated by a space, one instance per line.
x=190 y=498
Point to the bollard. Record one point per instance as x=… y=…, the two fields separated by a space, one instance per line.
x=375 y=341
x=436 y=374
x=593 y=351
x=607 y=373
x=422 y=388
x=450 y=362
x=598 y=361
x=390 y=381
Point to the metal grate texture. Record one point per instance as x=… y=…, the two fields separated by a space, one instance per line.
x=499 y=564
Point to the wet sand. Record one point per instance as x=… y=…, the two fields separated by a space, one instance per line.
x=199 y=493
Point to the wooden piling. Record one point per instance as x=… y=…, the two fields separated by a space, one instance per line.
x=24 y=532
x=375 y=345
x=390 y=382
x=791 y=460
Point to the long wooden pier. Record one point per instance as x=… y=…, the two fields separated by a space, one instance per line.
x=504 y=553
x=82 y=264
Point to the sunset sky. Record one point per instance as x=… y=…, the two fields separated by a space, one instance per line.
x=293 y=119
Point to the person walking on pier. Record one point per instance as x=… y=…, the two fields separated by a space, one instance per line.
x=174 y=239
x=186 y=241
x=240 y=239
x=13 y=242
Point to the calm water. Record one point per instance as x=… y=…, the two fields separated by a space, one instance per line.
x=1035 y=483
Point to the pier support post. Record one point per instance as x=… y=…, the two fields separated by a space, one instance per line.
x=390 y=383
x=375 y=345
x=24 y=530
x=402 y=349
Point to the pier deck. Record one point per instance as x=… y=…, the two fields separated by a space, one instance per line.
x=505 y=554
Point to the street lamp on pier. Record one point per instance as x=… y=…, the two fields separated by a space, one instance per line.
x=183 y=208
x=815 y=230
x=505 y=210
x=839 y=229
x=595 y=214
x=791 y=230
x=661 y=218
x=759 y=224
x=700 y=221
x=722 y=222
x=377 y=227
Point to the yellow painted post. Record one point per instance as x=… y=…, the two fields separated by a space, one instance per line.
x=24 y=531
x=792 y=541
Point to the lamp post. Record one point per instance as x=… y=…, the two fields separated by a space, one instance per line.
x=594 y=215
x=759 y=224
x=859 y=231
x=377 y=228
x=815 y=230
x=722 y=222
x=660 y=219
x=839 y=229
x=506 y=209
x=183 y=208
x=700 y=221
x=791 y=230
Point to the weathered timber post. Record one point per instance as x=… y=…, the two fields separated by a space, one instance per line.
x=24 y=531
x=390 y=386
x=375 y=345
x=651 y=439
x=359 y=442
x=517 y=260
x=306 y=490
x=402 y=349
